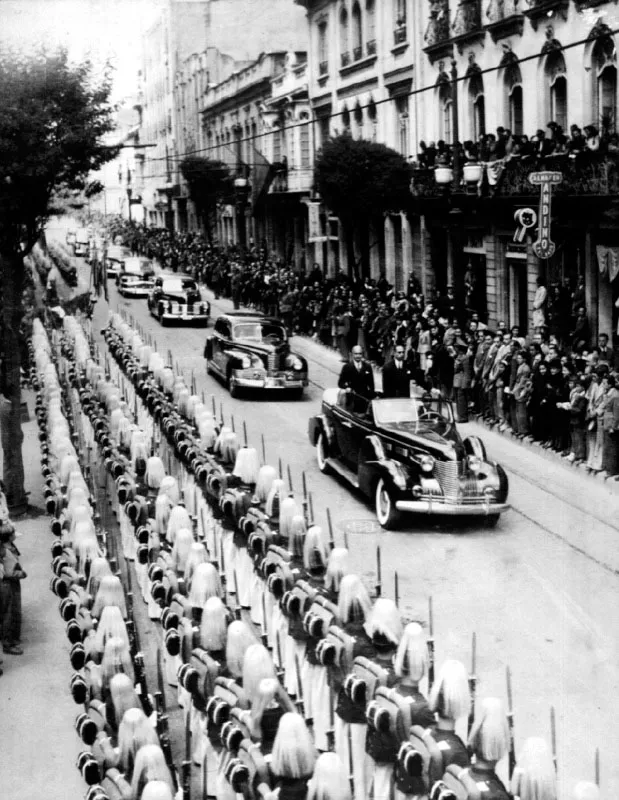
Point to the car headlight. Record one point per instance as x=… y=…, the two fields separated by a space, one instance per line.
x=245 y=362
x=426 y=462
x=474 y=464
x=202 y=309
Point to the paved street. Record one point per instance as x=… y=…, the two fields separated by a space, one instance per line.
x=538 y=591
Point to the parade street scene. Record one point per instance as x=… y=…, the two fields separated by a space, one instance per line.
x=309 y=400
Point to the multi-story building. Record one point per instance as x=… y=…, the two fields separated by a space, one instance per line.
x=361 y=65
x=413 y=73
x=525 y=66
x=194 y=43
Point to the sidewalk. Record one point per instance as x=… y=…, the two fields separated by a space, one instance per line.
x=38 y=744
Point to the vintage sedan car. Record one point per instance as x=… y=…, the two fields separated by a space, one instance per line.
x=114 y=257
x=408 y=456
x=177 y=298
x=250 y=351
x=136 y=277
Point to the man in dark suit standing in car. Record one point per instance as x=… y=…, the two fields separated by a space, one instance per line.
x=397 y=375
x=357 y=378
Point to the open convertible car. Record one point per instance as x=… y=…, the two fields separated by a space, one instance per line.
x=407 y=455
x=249 y=351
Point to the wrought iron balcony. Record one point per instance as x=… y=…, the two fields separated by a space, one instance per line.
x=465 y=28
x=400 y=34
x=370 y=47
x=504 y=18
x=538 y=10
x=437 y=33
x=586 y=175
x=345 y=59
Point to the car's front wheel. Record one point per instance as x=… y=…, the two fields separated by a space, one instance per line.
x=321 y=454
x=386 y=512
x=232 y=385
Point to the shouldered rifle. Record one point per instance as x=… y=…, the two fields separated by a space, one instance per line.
x=280 y=671
x=264 y=633
x=162 y=722
x=305 y=500
x=379 y=584
x=264 y=452
x=311 y=508
x=237 y=602
x=510 y=722
x=553 y=740
x=289 y=479
x=300 y=702
x=351 y=762
x=430 y=644
x=597 y=766
x=396 y=588
x=472 y=681
x=186 y=766
x=331 y=731
x=203 y=521
x=330 y=524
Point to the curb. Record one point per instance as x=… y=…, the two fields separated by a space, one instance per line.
x=597 y=479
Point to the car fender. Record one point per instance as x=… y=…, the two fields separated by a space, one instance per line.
x=374 y=464
x=235 y=358
x=474 y=446
x=503 y=483
x=317 y=425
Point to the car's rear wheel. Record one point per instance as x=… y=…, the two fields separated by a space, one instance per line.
x=386 y=513
x=321 y=454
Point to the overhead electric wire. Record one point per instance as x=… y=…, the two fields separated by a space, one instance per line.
x=374 y=103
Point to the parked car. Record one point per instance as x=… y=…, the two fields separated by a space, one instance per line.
x=177 y=298
x=407 y=454
x=81 y=243
x=136 y=278
x=251 y=351
x=114 y=258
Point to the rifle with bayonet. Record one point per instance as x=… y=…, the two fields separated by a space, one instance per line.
x=162 y=722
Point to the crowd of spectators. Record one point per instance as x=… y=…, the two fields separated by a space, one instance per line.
x=558 y=385
x=505 y=145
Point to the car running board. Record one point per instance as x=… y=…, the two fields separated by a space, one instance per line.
x=346 y=473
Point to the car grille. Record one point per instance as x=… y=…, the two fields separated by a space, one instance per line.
x=457 y=485
x=274 y=361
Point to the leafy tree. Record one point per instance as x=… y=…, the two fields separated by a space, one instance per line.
x=209 y=183
x=54 y=117
x=360 y=181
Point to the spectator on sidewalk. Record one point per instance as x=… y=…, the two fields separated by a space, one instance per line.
x=521 y=392
x=610 y=424
x=10 y=591
x=578 y=412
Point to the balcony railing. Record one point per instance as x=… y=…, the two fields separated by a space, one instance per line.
x=370 y=47
x=400 y=34
x=504 y=18
x=442 y=33
x=438 y=24
x=323 y=68
x=467 y=18
x=357 y=53
x=345 y=59
x=538 y=10
x=588 y=175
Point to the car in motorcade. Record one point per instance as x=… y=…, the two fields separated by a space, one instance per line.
x=136 y=277
x=82 y=242
x=250 y=351
x=114 y=257
x=407 y=455
x=177 y=298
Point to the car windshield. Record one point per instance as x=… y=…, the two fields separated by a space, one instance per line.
x=414 y=414
x=260 y=331
x=179 y=285
x=137 y=265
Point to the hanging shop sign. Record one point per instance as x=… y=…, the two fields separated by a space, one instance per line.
x=544 y=247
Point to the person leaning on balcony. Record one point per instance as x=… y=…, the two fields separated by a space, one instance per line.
x=576 y=142
x=592 y=142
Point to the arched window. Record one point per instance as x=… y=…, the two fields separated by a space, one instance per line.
x=513 y=90
x=323 y=49
x=344 y=53
x=357 y=33
x=370 y=27
x=557 y=84
x=358 y=118
x=445 y=108
x=403 y=124
x=372 y=122
x=477 y=104
x=604 y=69
x=304 y=143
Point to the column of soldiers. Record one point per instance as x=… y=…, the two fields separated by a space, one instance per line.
x=294 y=682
